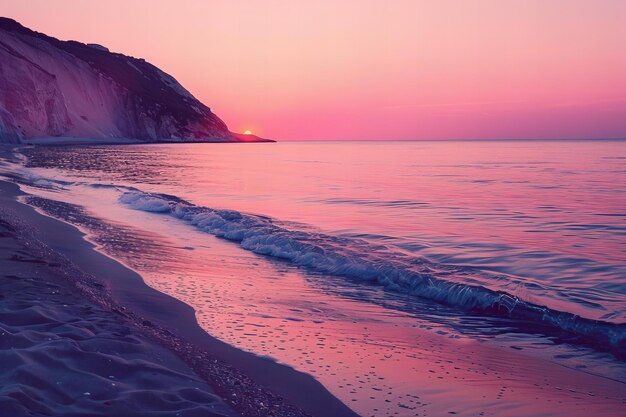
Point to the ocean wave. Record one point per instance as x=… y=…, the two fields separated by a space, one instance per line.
x=362 y=260
x=17 y=171
x=23 y=175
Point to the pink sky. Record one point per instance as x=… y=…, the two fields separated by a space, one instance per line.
x=360 y=69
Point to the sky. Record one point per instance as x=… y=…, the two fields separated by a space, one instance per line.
x=363 y=69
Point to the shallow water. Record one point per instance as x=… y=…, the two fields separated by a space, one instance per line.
x=379 y=255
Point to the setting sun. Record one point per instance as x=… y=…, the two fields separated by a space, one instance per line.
x=247 y=132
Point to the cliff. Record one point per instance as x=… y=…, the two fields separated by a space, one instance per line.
x=52 y=88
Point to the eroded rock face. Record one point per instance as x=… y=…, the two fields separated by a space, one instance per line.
x=53 y=88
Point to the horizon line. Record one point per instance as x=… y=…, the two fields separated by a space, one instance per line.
x=458 y=140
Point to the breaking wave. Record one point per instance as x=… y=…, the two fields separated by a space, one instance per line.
x=362 y=260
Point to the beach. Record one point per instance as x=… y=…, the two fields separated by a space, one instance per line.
x=62 y=355
x=312 y=209
x=251 y=310
x=82 y=335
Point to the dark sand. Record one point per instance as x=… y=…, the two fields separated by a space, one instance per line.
x=62 y=355
x=80 y=334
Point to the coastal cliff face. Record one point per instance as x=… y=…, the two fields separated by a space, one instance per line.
x=53 y=88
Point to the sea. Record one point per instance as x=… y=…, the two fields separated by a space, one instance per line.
x=373 y=266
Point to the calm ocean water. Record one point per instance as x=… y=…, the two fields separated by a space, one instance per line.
x=523 y=241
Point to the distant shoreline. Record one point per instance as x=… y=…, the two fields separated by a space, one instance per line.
x=65 y=141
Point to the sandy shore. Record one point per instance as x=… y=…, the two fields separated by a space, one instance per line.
x=62 y=355
x=83 y=335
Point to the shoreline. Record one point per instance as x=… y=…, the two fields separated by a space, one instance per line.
x=60 y=354
x=253 y=380
x=409 y=364
x=68 y=141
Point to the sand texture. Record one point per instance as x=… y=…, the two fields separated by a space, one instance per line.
x=63 y=356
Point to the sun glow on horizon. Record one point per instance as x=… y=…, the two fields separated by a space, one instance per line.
x=432 y=70
x=247 y=132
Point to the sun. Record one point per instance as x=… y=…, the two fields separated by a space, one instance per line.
x=247 y=132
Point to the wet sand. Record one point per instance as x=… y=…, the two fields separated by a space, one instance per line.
x=82 y=334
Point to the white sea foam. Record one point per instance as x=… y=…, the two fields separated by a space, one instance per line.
x=360 y=260
x=145 y=203
x=29 y=176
